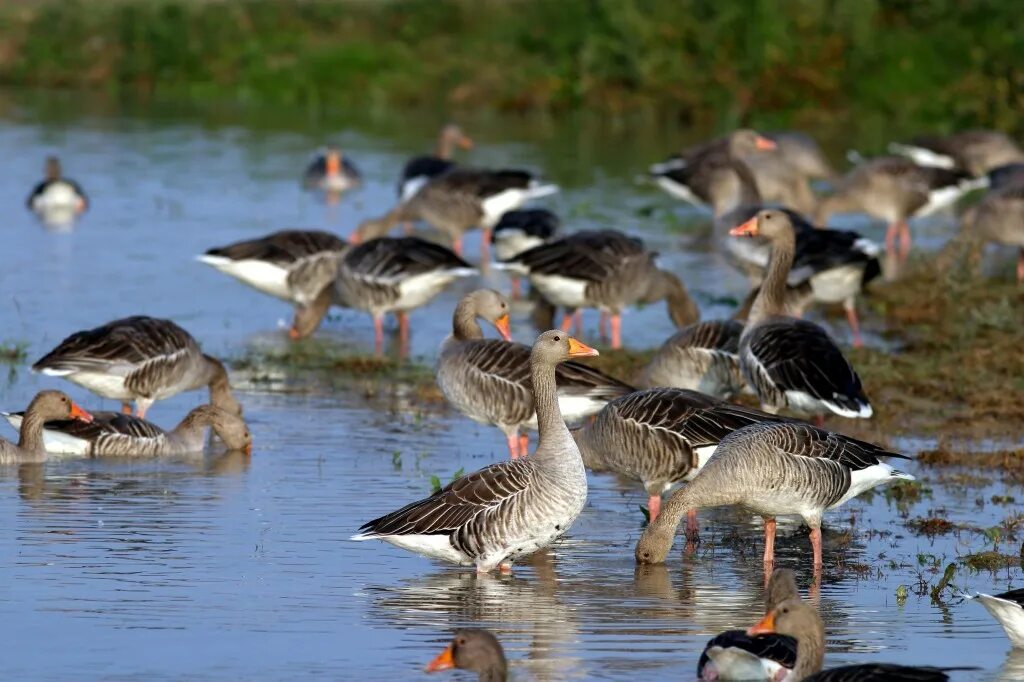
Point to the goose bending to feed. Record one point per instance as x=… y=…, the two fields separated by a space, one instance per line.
x=788 y=362
x=45 y=406
x=331 y=171
x=488 y=380
x=1008 y=609
x=802 y=622
x=111 y=433
x=735 y=655
x=703 y=356
x=661 y=436
x=896 y=189
x=519 y=231
x=999 y=218
x=972 y=151
x=421 y=169
x=508 y=510
x=141 y=359
x=56 y=196
x=475 y=650
x=607 y=270
x=775 y=469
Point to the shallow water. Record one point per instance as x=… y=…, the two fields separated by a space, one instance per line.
x=225 y=566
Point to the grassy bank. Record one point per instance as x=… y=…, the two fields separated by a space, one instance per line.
x=939 y=64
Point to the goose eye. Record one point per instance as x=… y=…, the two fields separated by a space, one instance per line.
x=558 y=338
x=461 y=642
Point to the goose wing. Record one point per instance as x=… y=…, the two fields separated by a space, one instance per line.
x=576 y=378
x=720 y=336
x=890 y=672
x=482 y=183
x=390 y=259
x=536 y=222
x=500 y=368
x=774 y=647
x=107 y=424
x=593 y=256
x=699 y=419
x=799 y=439
x=282 y=248
x=1013 y=595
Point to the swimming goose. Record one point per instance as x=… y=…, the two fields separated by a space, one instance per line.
x=895 y=189
x=1008 y=609
x=519 y=231
x=735 y=655
x=607 y=270
x=111 y=433
x=784 y=468
x=802 y=622
x=141 y=359
x=508 y=510
x=421 y=169
x=972 y=151
x=703 y=356
x=999 y=218
x=475 y=650
x=46 y=405
x=331 y=171
x=661 y=436
x=789 y=362
x=489 y=380
x=57 y=194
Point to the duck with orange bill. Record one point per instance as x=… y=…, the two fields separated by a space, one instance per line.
x=331 y=171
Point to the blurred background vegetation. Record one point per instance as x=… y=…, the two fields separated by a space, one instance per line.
x=937 y=64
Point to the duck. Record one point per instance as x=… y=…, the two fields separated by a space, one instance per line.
x=488 y=380
x=972 y=151
x=141 y=359
x=507 y=510
x=421 y=169
x=1008 y=609
x=785 y=468
x=112 y=433
x=661 y=436
x=475 y=650
x=801 y=621
x=45 y=406
x=56 y=193
x=895 y=189
x=607 y=270
x=703 y=356
x=792 y=363
x=735 y=655
x=999 y=218
x=331 y=171
x=521 y=230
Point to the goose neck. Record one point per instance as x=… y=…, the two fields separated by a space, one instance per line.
x=810 y=651
x=30 y=440
x=550 y=424
x=771 y=300
x=464 y=323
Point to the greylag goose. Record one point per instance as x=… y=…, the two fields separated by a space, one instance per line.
x=141 y=359
x=489 y=380
x=56 y=193
x=331 y=171
x=895 y=189
x=474 y=650
x=789 y=362
x=607 y=270
x=802 y=152
x=111 y=433
x=775 y=469
x=802 y=622
x=421 y=169
x=735 y=655
x=519 y=231
x=972 y=151
x=1008 y=609
x=661 y=436
x=508 y=510
x=999 y=218
x=703 y=356
x=45 y=406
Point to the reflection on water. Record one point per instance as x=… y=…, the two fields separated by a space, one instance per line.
x=227 y=566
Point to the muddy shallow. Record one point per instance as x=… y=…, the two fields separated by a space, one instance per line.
x=221 y=566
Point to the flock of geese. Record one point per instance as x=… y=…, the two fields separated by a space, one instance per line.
x=671 y=424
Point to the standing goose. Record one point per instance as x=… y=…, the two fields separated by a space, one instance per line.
x=508 y=510
x=1008 y=609
x=703 y=356
x=141 y=359
x=607 y=270
x=895 y=189
x=802 y=622
x=489 y=380
x=110 y=433
x=661 y=436
x=999 y=218
x=519 y=231
x=775 y=469
x=475 y=650
x=421 y=169
x=972 y=151
x=735 y=655
x=788 y=362
x=331 y=171
x=47 y=405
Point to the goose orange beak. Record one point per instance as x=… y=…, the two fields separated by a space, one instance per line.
x=765 y=626
x=334 y=163
x=248 y=449
x=764 y=144
x=578 y=349
x=465 y=142
x=81 y=415
x=444 y=661
x=293 y=334
x=502 y=323
x=747 y=229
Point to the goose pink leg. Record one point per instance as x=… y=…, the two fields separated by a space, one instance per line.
x=378 y=334
x=602 y=325
x=513 y=446
x=769 y=543
x=403 y=332
x=816 y=547
x=616 y=330
x=524 y=444
x=126 y=408
x=485 y=246
x=851 y=316
x=904 y=241
x=566 y=323
x=517 y=289
x=692 y=527
x=653 y=507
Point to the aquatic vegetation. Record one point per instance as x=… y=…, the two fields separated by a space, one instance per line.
x=12 y=352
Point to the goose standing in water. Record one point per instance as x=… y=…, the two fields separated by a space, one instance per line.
x=972 y=151
x=57 y=198
x=488 y=380
x=703 y=356
x=788 y=362
x=474 y=650
x=1008 y=609
x=999 y=218
x=141 y=359
x=509 y=510
x=775 y=469
x=46 y=406
x=111 y=433
x=421 y=169
x=331 y=171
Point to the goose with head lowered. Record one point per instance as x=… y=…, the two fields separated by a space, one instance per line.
x=792 y=363
x=45 y=406
x=508 y=510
